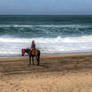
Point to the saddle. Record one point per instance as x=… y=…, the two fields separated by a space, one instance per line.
x=34 y=52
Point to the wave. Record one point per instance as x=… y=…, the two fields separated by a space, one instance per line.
x=12 y=46
x=45 y=30
x=46 y=40
x=50 y=25
x=52 y=34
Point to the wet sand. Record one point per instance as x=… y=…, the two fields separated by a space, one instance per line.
x=56 y=73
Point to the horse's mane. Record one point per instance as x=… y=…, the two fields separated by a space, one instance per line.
x=27 y=50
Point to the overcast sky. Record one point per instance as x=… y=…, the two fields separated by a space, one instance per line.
x=49 y=7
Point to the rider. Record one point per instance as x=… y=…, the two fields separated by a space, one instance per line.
x=32 y=45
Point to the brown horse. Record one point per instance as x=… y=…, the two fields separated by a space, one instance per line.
x=32 y=54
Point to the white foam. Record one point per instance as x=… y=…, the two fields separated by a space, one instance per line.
x=12 y=46
x=52 y=25
x=48 y=40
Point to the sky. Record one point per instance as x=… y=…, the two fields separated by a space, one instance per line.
x=45 y=7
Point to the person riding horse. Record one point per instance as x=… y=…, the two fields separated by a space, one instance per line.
x=32 y=52
x=32 y=46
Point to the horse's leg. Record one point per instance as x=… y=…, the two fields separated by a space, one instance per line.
x=33 y=60
x=29 y=60
x=38 y=59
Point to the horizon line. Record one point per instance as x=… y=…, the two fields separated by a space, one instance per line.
x=45 y=14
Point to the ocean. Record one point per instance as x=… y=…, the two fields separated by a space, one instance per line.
x=53 y=34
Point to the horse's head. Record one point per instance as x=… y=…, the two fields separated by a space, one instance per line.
x=23 y=52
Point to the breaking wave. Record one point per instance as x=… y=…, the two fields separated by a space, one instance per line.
x=12 y=46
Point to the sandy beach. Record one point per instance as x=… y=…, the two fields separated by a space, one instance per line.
x=56 y=73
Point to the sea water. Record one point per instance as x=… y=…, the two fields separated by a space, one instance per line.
x=52 y=34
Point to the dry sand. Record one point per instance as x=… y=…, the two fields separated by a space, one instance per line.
x=59 y=73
